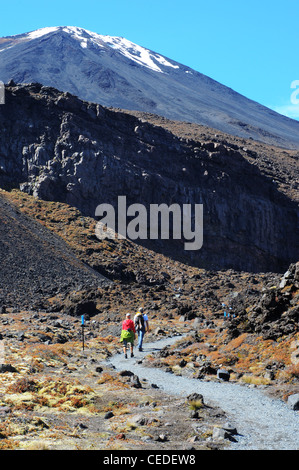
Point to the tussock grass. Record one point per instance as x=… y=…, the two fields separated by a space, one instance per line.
x=195 y=405
x=254 y=380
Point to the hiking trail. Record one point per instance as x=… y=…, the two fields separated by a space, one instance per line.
x=262 y=423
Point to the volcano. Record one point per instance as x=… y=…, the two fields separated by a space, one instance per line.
x=115 y=72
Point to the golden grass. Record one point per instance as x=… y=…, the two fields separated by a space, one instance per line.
x=195 y=405
x=29 y=394
x=253 y=380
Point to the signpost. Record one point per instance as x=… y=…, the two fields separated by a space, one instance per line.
x=82 y=326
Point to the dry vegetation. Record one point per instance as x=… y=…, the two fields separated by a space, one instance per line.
x=56 y=396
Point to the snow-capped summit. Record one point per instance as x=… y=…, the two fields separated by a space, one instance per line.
x=86 y=39
x=132 y=51
x=114 y=71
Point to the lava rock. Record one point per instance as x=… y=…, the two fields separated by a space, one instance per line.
x=223 y=374
x=293 y=401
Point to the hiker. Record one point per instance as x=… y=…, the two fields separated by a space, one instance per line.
x=128 y=334
x=141 y=326
x=232 y=314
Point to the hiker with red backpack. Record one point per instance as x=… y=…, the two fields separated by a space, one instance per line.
x=141 y=326
x=128 y=334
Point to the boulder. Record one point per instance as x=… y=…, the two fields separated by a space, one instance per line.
x=195 y=397
x=139 y=420
x=135 y=382
x=222 y=433
x=7 y=368
x=159 y=331
x=223 y=374
x=125 y=373
x=230 y=428
x=293 y=401
x=219 y=434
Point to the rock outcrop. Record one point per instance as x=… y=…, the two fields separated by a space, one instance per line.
x=60 y=148
x=275 y=313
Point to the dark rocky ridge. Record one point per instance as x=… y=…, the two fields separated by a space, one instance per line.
x=278 y=164
x=58 y=147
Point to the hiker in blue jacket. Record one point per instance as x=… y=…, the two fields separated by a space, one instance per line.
x=141 y=325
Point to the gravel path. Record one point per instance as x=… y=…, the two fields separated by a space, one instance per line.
x=262 y=423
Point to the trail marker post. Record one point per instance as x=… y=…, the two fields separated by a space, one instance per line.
x=82 y=326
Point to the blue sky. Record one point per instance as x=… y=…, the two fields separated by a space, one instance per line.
x=252 y=46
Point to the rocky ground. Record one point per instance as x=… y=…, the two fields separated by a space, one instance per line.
x=54 y=395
